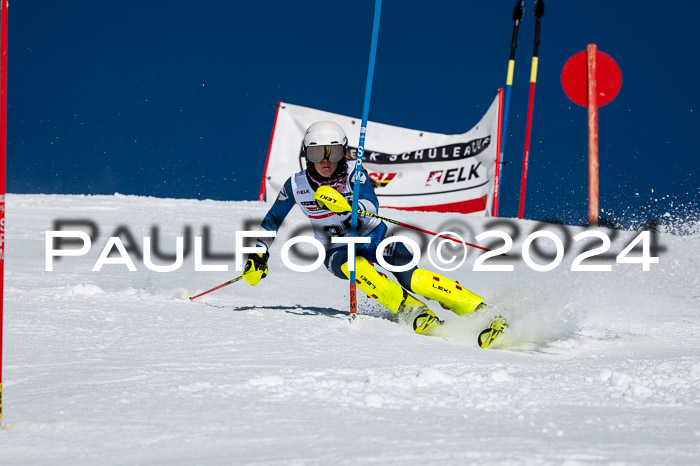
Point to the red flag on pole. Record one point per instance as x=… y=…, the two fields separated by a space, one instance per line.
x=591 y=79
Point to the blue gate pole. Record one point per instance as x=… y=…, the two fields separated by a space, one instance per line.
x=518 y=13
x=361 y=150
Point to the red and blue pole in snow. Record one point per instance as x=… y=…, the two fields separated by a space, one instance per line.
x=539 y=12
x=361 y=150
x=517 y=18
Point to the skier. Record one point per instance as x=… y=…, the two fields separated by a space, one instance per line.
x=325 y=146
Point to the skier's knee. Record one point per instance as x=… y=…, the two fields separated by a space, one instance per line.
x=376 y=285
x=335 y=260
x=448 y=292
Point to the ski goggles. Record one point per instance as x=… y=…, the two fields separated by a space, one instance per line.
x=334 y=153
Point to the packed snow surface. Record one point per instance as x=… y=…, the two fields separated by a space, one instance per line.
x=119 y=367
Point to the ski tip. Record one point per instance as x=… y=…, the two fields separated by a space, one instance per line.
x=191 y=298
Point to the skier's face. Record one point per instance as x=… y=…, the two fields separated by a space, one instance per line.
x=325 y=167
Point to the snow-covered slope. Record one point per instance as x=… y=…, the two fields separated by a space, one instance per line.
x=118 y=367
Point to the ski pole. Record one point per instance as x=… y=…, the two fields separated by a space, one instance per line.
x=406 y=225
x=214 y=289
x=539 y=12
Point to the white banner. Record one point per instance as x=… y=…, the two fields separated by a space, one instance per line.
x=416 y=170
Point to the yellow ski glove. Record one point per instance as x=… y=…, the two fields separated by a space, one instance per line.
x=328 y=197
x=255 y=268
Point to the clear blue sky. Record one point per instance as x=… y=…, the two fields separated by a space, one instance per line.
x=177 y=99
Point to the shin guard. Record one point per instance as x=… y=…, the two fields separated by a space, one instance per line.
x=448 y=292
x=373 y=284
x=393 y=297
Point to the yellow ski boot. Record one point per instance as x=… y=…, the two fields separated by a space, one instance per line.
x=419 y=314
x=495 y=330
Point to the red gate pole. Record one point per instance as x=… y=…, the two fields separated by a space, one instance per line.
x=528 y=131
x=581 y=83
x=3 y=146
x=499 y=153
x=591 y=52
x=539 y=12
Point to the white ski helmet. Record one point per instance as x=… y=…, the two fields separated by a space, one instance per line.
x=325 y=133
